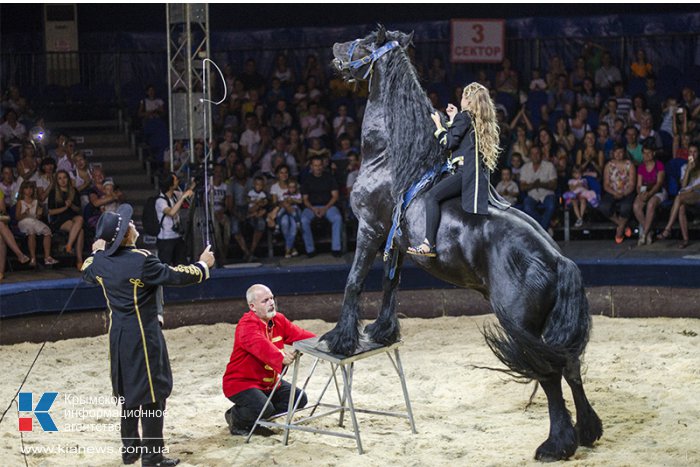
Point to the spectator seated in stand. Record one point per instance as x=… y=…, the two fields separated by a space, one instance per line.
x=9 y=185
x=28 y=165
x=650 y=193
x=64 y=214
x=507 y=187
x=617 y=198
x=277 y=190
x=221 y=221
x=28 y=215
x=320 y=194
x=289 y=216
x=13 y=135
x=102 y=197
x=237 y=203
x=538 y=178
x=82 y=179
x=341 y=121
x=579 y=195
x=7 y=239
x=257 y=210
x=688 y=195
x=276 y=156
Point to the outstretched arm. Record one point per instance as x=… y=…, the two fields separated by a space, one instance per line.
x=157 y=273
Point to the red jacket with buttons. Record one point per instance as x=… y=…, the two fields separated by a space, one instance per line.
x=256 y=360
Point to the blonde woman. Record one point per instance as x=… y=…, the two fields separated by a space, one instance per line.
x=472 y=136
x=64 y=214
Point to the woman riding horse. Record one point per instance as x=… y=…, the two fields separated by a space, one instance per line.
x=472 y=131
x=535 y=291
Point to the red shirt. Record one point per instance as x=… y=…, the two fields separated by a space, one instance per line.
x=256 y=360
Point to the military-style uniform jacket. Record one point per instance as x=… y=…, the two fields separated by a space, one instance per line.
x=130 y=279
x=256 y=360
x=461 y=139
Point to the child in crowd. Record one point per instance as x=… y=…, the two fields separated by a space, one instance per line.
x=341 y=121
x=537 y=83
x=579 y=196
x=257 y=209
x=317 y=149
x=289 y=217
x=516 y=163
x=507 y=187
x=28 y=213
x=257 y=199
x=108 y=186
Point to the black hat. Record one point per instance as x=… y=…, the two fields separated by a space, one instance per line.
x=112 y=227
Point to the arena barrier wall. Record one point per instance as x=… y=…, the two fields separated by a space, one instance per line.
x=617 y=288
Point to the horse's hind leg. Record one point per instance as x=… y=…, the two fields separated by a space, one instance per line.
x=386 y=330
x=562 y=441
x=344 y=337
x=588 y=425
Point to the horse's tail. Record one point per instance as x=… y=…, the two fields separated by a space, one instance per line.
x=563 y=338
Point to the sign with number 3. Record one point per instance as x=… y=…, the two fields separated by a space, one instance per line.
x=477 y=40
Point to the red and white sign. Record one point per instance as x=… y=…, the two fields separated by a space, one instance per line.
x=477 y=40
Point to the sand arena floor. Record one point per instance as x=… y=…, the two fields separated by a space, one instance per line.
x=642 y=377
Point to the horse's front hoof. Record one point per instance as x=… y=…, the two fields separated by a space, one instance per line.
x=385 y=335
x=341 y=343
x=552 y=451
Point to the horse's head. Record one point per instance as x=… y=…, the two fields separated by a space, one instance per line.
x=355 y=59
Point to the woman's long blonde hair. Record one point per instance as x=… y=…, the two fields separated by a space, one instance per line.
x=483 y=112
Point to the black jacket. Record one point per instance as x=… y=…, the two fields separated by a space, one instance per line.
x=460 y=138
x=130 y=278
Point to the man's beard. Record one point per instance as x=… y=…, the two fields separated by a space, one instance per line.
x=270 y=314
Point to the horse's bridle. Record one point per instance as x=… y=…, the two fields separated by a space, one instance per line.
x=367 y=59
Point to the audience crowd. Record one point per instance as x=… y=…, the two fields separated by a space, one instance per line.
x=593 y=138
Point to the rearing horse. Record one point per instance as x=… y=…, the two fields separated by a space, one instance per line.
x=536 y=292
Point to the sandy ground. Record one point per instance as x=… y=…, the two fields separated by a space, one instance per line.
x=642 y=377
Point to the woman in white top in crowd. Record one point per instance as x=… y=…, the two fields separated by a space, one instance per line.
x=28 y=213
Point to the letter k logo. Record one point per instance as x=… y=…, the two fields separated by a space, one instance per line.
x=41 y=411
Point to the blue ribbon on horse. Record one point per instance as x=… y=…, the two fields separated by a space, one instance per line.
x=368 y=59
x=427 y=179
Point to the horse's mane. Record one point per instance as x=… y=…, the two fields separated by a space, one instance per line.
x=413 y=148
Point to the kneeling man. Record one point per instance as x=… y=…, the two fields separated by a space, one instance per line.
x=257 y=360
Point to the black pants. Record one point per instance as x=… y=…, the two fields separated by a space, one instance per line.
x=172 y=251
x=448 y=187
x=150 y=444
x=609 y=205
x=249 y=404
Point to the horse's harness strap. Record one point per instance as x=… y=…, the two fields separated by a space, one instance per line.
x=367 y=59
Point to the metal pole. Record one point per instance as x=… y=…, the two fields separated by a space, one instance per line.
x=170 y=87
x=188 y=64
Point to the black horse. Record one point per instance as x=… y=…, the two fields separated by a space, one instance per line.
x=536 y=292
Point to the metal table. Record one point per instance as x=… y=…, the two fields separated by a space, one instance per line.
x=346 y=366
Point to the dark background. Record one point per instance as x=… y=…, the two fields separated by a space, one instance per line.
x=226 y=17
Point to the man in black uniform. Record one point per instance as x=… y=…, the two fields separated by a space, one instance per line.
x=140 y=369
